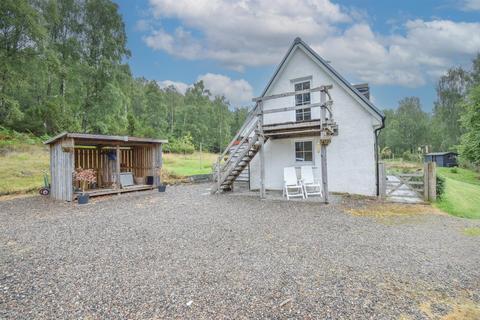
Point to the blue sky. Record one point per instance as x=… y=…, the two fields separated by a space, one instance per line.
x=399 y=47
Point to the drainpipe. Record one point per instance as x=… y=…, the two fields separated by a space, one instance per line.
x=376 y=132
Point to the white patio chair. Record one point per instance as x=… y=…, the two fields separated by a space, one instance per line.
x=310 y=186
x=291 y=188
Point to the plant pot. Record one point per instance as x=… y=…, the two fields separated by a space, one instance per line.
x=139 y=180
x=149 y=180
x=162 y=188
x=83 y=198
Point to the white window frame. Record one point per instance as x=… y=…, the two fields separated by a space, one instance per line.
x=295 y=151
x=303 y=111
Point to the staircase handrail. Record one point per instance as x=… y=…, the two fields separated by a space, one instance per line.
x=249 y=118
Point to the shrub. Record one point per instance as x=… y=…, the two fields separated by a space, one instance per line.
x=440 y=186
x=406 y=156
x=454 y=170
x=181 y=145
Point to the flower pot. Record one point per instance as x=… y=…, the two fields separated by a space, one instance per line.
x=162 y=188
x=149 y=180
x=83 y=198
x=139 y=180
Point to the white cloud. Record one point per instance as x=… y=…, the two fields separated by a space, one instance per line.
x=471 y=5
x=237 y=92
x=181 y=87
x=240 y=34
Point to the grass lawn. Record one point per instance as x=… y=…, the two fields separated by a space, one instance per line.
x=189 y=164
x=462 y=193
x=22 y=171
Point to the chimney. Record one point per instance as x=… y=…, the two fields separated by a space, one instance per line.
x=364 y=89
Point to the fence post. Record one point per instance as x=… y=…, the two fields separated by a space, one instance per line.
x=218 y=175
x=426 y=186
x=382 y=180
x=432 y=181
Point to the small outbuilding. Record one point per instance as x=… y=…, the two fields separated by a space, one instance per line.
x=121 y=163
x=442 y=159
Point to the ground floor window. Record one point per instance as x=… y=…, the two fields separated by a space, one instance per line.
x=303 y=151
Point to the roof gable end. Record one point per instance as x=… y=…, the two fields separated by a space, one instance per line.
x=357 y=95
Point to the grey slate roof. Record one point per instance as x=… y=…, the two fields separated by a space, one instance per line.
x=88 y=136
x=320 y=60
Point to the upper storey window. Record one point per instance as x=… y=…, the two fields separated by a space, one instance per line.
x=302 y=99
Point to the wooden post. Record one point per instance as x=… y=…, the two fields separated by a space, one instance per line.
x=218 y=174
x=382 y=180
x=432 y=181
x=323 y=147
x=425 y=181
x=118 y=185
x=262 y=151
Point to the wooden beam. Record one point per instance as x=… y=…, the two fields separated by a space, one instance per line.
x=118 y=185
x=306 y=106
x=262 y=152
x=323 y=149
x=289 y=94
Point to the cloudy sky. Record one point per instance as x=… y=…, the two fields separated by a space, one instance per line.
x=399 y=47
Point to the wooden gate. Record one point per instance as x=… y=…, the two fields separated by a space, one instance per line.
x=415 y=186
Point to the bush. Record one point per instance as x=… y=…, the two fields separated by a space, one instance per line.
x=182 y=145
x=454 y=170
x=440 y=186
x=406 y=156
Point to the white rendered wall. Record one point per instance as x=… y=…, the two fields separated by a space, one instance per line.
x=351 y=155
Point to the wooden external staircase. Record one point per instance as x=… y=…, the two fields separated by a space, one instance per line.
x=236 y=157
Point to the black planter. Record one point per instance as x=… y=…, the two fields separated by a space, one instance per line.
x=149 y=180
x=83 y=198
x=162 y=188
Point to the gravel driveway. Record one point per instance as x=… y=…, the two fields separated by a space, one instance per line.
x=185 y=254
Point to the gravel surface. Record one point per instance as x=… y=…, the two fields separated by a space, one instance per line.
x=186 y=254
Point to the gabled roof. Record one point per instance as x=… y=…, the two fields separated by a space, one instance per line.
x=319 y=60
x=101 y=137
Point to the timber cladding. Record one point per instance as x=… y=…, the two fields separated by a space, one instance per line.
x=108 y=156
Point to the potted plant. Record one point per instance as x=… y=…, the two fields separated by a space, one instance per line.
x=84 y=176
x=161 y=187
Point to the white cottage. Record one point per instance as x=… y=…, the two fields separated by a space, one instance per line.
x=285 y=126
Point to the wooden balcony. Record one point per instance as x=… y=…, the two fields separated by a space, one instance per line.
x=295 y=129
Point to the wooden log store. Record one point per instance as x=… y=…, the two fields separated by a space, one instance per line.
x=111 y=158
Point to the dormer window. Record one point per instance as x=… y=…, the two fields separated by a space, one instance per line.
x=302 y=99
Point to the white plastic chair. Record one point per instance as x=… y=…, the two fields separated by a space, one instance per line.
x=291 y=187
x=310 y=186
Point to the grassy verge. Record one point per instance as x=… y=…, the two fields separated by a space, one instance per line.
x=462 y=193
x=22 y=171
x=189 y=164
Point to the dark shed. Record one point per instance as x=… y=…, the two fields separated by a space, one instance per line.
x=442 y=159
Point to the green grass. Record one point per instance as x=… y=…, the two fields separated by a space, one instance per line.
x=22 y=171
x=462 y=175
x=472 y=232
x=462 y=193
x=186 y=165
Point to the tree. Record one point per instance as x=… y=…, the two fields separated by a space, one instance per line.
x=21 y=37
x=470 y=142
x=451 y=89
x=407 y=127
